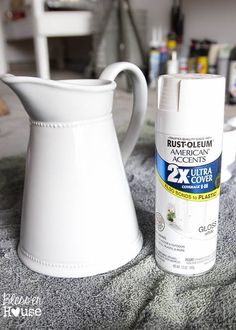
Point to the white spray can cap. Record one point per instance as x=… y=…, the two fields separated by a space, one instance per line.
x=196 y=98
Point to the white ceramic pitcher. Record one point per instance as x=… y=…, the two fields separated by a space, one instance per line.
x=78 y=217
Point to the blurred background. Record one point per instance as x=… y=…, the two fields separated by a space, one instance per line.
x=84 y=36
x=71 y=39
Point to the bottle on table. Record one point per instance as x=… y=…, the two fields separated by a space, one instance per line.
x=154 y=58
x=232 y=77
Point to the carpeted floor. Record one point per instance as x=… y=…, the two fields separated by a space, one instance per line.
x=136 y=296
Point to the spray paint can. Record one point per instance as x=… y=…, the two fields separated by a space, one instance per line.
x=189 y=130
x=223 y=60
x=213 y=57
x=154 y=58
x=202 y=59
x=183 y=61
x=193 y=51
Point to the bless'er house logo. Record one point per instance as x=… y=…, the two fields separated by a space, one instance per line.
x=21 y=306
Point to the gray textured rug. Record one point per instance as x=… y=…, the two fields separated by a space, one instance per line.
x=136 y=296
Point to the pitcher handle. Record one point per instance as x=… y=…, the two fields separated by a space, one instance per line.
x=139 y=103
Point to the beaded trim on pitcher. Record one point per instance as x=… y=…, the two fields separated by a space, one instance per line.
x=69 y=124
x=137 y=241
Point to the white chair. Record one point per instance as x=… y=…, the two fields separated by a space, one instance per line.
x=40 y=25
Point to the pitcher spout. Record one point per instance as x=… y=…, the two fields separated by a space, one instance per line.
x=62 y=100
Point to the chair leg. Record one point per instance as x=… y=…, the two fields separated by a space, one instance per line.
x=3 y=58
x=3 y=63
x=42 y=57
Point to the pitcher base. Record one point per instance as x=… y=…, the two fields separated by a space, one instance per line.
x=76 y=270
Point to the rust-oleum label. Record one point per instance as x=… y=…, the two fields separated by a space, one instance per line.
x=187 y=201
